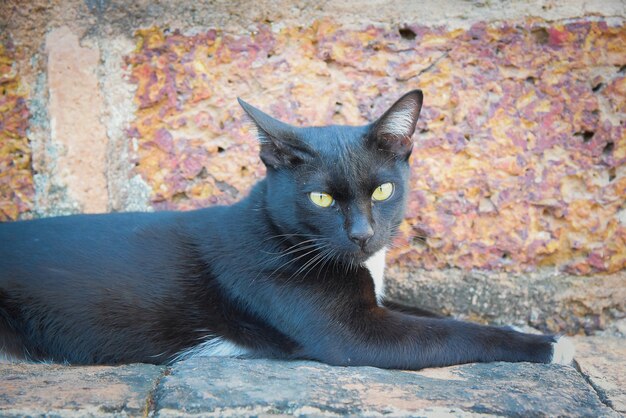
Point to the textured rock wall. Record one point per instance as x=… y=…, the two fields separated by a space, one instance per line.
x=519 y=164
x=520 y=151
x=16 y=177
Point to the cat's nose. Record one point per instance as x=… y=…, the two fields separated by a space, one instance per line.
x=361 y=236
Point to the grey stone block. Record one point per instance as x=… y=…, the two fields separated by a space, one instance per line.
x=602 y=360
x=63 y=391
x=232 y=387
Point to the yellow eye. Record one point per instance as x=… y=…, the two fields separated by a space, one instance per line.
x=383 y=192
x=321 y=199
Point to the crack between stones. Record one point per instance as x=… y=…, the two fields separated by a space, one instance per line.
x=597 y=390
x=427 y=69
x=151 y=405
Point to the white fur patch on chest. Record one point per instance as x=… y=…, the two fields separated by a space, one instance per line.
x=215 y=347
x=376 y=265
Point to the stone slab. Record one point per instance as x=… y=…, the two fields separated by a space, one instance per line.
x=602 y=360
x=545 y=299
x=232 y=387
x=65 y=391
x=78 y=136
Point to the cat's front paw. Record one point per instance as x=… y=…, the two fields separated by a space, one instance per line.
x=562 y=351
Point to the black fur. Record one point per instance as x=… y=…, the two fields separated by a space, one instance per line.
x=273 y=273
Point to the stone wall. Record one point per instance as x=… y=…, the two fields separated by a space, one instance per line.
x=519 y=174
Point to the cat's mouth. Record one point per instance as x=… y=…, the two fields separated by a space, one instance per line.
x=359 y=256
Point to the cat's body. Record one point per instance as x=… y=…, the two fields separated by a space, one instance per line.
x=292 y=271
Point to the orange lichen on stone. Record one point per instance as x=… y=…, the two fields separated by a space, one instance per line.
x=520 y=151
x=16 y=178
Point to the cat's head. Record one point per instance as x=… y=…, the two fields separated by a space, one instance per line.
x=342 y=187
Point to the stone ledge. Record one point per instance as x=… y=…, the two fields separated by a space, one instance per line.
x=235 y=387
x=545 y=299
x=602 y=361
x=230 y=387
x=65 y=391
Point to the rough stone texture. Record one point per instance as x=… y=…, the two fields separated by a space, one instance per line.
x=16 y=178
x=235 y=387
x=547 y=300
x=227 y=387
x=126 y=192
x=30 y=20
x=603 y=362
x=78 y=135
x=519 y=162
x=54 y=390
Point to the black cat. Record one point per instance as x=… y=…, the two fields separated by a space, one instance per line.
x=293 y=271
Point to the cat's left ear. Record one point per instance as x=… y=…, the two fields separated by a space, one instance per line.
x=394 y=129
x=280 y=145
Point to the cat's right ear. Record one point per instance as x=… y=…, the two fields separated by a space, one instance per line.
x=392 y=132
x=280 y=146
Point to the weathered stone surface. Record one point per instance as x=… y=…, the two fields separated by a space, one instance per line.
x=127 y=191
x=545 y=299
x=519 y=158
x=77 y=134
x=235 y=387
x=16 y=177
x=55 y=390
x=231 y=387
x=602 y=360
x=30 y=20
x=184 y=155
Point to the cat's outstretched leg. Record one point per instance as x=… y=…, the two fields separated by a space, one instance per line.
x=390 y=339
x=355 y=330
x=563 y=347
